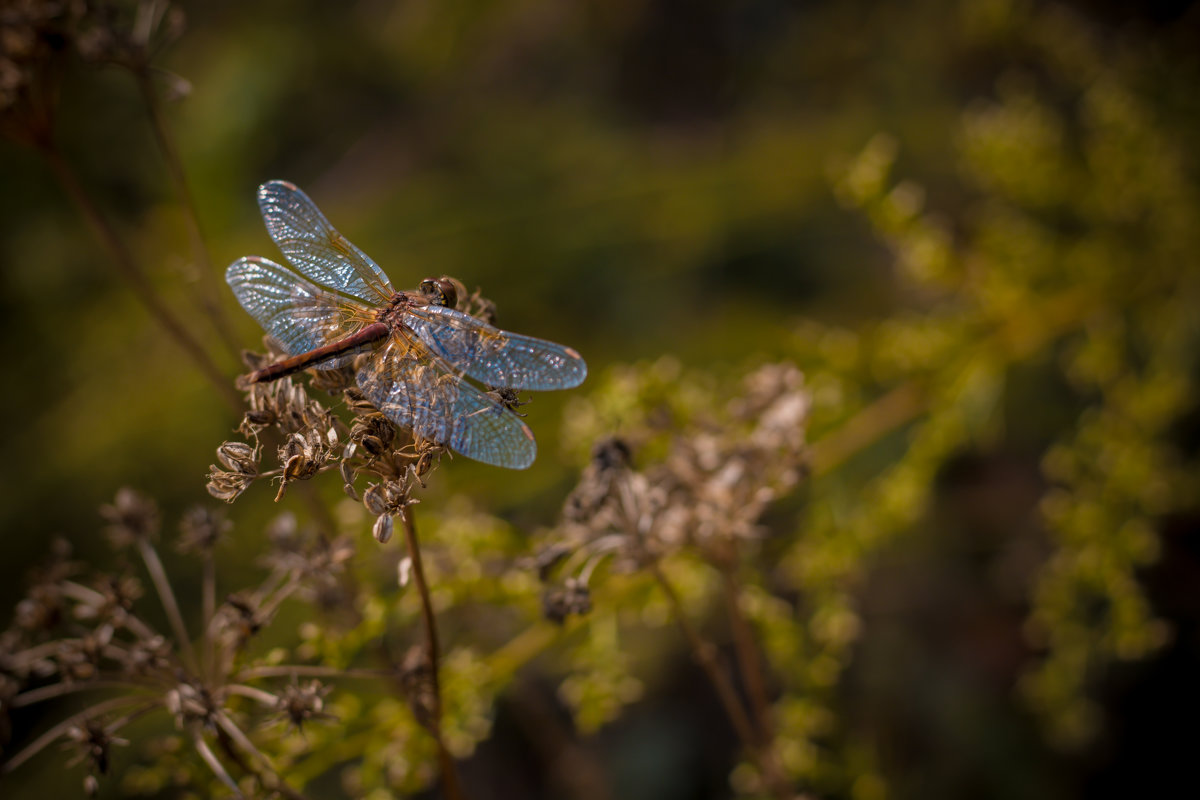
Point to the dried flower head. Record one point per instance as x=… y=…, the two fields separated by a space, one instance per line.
x=201 y=528
x=709 y=491
x=297 y=703
x=92 y=741
x=132 y=517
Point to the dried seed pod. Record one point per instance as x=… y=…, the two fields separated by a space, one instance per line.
x=382 y=530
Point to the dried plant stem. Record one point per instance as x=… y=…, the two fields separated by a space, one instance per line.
x=61 y=689
x=705 y=655
x=749 y=663
x=162 y=584
x=277 y=782
x=450 y=785
x=208 y=609
x=214 y=763
x=141 y=285
x=209 y=298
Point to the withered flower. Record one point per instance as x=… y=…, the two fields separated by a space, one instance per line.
x=303 y=455
x=240 y=462
x=297 y=704
x=132 y=517
x=201 y=528
x=709 y=491
x=559 y=602
x=193 y=704
x=111 y=601
x=92 y=740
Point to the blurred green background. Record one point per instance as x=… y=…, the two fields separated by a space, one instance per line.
x=633 y=178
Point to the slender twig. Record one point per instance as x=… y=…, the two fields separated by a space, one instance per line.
x=450 y=784
x=143 y=289
x=61 y=689
x=209 y=298
x=214 y=763
x=705 y=655
x=208 y=609
x=162 y=584
x=750 y=665
x=254 y=693
x=230 y=729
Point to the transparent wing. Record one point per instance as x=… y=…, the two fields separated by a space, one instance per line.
x=315 y=248
x=492 y=356
x=299 y=315
x=439 y=406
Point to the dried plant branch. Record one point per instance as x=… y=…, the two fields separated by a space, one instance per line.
x=750 y=665
x=54 y=690
x=208 y=609
x=162 y=584
x=450 y=784
x=704 y=653
x=236 y=734
x=209 y=298
x=214 y=763
x=123 y=260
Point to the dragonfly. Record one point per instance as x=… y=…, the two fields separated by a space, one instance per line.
x=414 y=350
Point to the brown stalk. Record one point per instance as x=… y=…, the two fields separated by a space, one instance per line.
x=750 y=665
x=705 y=655
x=162 y=584
x=450 y=785
x=143 y=289
x=214 y=763
x=209 y=298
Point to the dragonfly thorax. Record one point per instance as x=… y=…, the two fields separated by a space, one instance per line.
x=392 y=314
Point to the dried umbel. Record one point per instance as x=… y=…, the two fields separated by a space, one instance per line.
x=717 y=478
x=74 y=635
x=201 y=528
x=301 y=703
x=132 y=517
x=36 y=36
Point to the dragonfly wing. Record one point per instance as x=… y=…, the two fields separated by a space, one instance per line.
x=315 y=248
x=438 y=406
x=492 y=356
x=299 y=315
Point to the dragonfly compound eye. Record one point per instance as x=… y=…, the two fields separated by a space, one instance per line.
x=440 y=291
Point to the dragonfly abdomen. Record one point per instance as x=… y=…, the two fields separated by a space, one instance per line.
x=374 y=332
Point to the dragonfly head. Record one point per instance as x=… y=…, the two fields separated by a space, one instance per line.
x=443 y=291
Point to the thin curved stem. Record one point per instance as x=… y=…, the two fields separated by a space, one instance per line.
x=209 y=298
x=158 y=576
x=761 y=747
x=54 y=690
x=450 y=784
x=143 y=289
